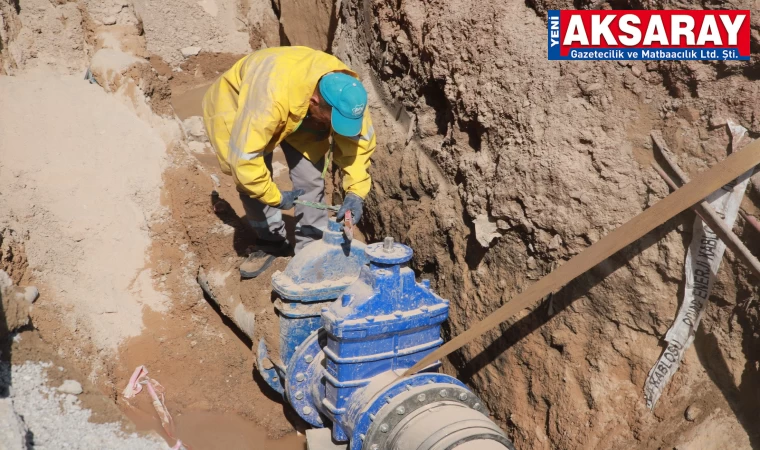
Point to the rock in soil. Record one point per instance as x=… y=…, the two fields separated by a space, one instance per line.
x=194 y=128
x=692 y=413
x=31 y=293
x=190 y=51
x=70 y=387
x=14 y=305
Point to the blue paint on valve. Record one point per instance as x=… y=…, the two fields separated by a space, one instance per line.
x=343 y=354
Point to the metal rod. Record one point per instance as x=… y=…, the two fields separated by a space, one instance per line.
x=317 y=205
x=667 y=155
x=706 y=212
x=750 y=220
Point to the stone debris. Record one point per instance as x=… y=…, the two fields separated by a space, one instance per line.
x=217 y=26
x=195 y=129
x=485 y=230
x=689 y=113
x=190 y=51
x=196 y=147
x=109 y=20
x=72 y=387
x=57 y=420
x=277 y=168
x=15 y=304
x=692 y=412
x=717 y=121
x=31 y=293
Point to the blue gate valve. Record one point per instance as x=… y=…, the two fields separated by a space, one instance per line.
x=313 y=278
x=345 y=377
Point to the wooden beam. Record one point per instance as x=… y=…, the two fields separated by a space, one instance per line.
x=703 y=185
x=706 y=212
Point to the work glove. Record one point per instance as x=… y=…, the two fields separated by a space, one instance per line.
x=352 y=203
x=288 y=197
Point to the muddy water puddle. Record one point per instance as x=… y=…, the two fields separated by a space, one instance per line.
x=206 y=374
x=188 y=103
x=203 y=430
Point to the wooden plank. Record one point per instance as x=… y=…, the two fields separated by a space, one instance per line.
x=703 y=185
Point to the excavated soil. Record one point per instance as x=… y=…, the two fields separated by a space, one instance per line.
x=116 y=246
x=493 y=164
x=481 y=132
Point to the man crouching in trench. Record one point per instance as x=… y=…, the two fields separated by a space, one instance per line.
x=294 y=97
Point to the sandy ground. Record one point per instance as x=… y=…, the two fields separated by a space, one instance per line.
x=85 y=187
x=110 y=216
x=204 y=366
x=212 y=25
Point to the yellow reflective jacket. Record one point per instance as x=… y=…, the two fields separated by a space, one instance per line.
x=260 y=102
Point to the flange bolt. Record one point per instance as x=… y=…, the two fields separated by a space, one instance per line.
x=299 y=377
x=384 y=428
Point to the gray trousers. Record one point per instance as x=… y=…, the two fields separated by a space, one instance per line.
x=267 y=221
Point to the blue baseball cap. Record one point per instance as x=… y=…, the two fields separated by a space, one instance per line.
x=348 y=99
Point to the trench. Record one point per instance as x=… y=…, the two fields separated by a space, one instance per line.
x=473 y=126
x=207 y=371
x=252 y=417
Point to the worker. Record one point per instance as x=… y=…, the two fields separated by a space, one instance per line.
x=315 y=108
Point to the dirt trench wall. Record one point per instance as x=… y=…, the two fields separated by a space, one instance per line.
x=483 y=139
x=15 y=303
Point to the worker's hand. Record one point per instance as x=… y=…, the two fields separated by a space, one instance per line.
x=352 y=203
x=288 y=197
